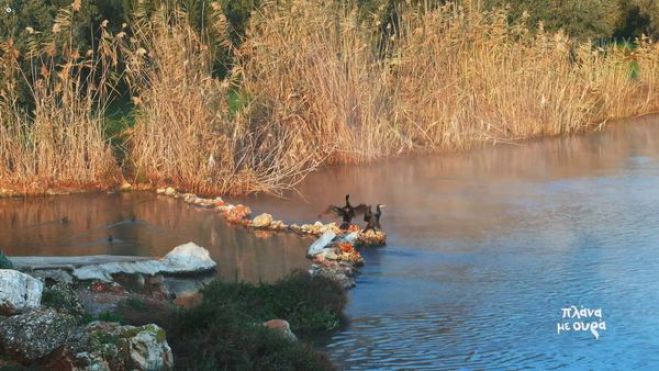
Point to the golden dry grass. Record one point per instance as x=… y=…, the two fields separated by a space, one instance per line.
x=455 y=76
x=59 y=143
x=321 y=87
x=185 y=134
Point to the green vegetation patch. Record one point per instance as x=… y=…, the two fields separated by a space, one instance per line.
x=309 y=304
x=226 y=332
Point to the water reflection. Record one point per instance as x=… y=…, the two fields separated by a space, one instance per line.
x=142 y=224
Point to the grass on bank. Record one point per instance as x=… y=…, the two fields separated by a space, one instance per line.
x=311 y=84
x=56 y=139
x=193 y=130
x=225 y=331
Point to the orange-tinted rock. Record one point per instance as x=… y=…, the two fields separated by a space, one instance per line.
x=189 y=300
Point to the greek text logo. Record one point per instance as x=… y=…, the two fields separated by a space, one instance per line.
x=581 y=319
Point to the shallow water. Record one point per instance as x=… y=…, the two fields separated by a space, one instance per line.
x=144 y=224
x=486 y=248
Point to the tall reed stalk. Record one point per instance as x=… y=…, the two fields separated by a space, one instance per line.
x=321 y=83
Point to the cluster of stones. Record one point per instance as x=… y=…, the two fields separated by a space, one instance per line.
x=241 y=215
x=56 y=337
x=46 y=301
x=338 y=259
x=44 y=304
x=335 y=256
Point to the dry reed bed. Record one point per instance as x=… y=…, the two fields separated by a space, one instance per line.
x=454 y=77
x=184 y=133
x=60 y=142
x=322 y=87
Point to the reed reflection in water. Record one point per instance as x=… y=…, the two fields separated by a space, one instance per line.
x=142 y=223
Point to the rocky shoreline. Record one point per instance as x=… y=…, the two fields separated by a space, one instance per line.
x=334 y=255
x=59 y=312
x=55 y=312
x=62 y=314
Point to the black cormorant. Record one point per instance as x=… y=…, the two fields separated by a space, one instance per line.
x=346 y=213
x=373 y=220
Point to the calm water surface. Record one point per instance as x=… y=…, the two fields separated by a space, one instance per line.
x=144 y=224
x=485 y=249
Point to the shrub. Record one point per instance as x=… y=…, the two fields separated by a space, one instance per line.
x=225 y=331
x=309 y=304
x=224 y=343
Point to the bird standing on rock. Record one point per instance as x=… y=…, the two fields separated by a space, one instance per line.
x=373 y=220
x=346 y=213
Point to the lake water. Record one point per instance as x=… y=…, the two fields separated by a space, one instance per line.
x=142 y=223
x=484 y=250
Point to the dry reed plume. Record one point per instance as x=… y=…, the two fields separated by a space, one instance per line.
x=185 y=134
x=59 y=142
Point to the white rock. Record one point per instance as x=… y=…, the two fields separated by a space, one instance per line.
x=149 y=349
x=186 y=258
x=18 y=291
x=320 y=243
x=169 y=191
x=328 y=253
x=57 y=275
x=350 y=238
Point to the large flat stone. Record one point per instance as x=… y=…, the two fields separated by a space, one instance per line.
x=184 y=259
x=188 y=258
x=69 y=262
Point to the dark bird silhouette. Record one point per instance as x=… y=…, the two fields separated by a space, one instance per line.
x=65 y=220
x=110 y=238
x=373 y=219
x=346 y=213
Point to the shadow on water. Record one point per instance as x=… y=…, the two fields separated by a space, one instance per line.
x=142 y=223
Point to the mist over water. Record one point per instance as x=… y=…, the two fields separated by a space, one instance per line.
x=484 y=250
